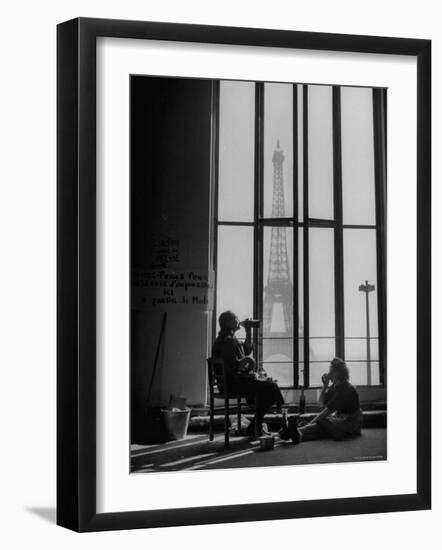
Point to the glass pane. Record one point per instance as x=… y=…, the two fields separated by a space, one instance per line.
x=299 y=88
x=277 y=349
x=278 y=282
x=301 y=374
x=236 y=151
x=357 y=156
x=281 y=372
x=356 y=349
x=321 y=277
x=359 y=267
x=316 y=372
x=301 y=281
x=278 y=150
x=358 y=373
x=320 y=152
x=359 y=376
x=235 y=271
x=322 y=349
x=301 y=349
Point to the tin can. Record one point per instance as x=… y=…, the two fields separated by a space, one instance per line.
x=266 y=442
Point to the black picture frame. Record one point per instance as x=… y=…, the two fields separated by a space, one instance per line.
x=76 y=273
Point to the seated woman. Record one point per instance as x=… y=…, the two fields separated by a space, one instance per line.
x=341 y=416
x=241 y=374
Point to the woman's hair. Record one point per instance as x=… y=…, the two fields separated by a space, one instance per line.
x=340 y=369
x=225 y=319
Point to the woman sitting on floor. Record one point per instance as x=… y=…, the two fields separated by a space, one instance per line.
x=341 y=416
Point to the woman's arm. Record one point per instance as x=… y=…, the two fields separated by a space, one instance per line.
x=323 y=414
x=322 y=395
x=248 y=346
x=324 y=390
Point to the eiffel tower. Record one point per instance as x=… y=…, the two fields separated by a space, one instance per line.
x=278 y=291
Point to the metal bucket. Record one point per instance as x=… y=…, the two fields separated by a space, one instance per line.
x=176 y=422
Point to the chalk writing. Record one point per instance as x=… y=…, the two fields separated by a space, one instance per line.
x=165 y=250
x=168 y=289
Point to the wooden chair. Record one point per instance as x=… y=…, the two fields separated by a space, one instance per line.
x=218 y=389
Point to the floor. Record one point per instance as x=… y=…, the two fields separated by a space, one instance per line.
x=196 y=452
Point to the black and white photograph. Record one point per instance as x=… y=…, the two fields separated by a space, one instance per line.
x=258 y=271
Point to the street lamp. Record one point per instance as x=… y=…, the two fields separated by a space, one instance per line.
x=367 y=289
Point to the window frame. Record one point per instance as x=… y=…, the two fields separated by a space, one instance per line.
x=259 y=222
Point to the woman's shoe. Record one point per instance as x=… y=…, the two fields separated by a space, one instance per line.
x=251 y=431
x=260 y=430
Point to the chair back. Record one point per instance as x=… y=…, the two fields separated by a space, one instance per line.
x=216 y=374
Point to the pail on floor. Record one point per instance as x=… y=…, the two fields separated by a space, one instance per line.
x=176 y=422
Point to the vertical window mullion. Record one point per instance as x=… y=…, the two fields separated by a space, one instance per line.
x=258 y=211
x=295 y=242
x=306 y=240
x=380 y=172
x=338 y=231
x=214 y=178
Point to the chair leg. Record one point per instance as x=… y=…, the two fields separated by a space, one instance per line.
x=255 y=427
x=226 y=422
x=211 y=419
x=238 y=416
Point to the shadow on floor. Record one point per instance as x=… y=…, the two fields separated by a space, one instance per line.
x=196 y=452
x=46 y=513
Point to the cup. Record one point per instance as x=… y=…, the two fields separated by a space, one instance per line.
x=266 y=442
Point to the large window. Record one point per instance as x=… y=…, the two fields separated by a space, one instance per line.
x=300 y=225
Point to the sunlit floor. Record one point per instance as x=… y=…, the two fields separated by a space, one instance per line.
x=196 y=452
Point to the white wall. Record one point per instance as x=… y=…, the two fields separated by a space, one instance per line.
x=27 y=299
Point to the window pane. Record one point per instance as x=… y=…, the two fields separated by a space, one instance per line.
x=278 y=150
x=300 y=153
x=316 y=372
x=321 y=277
x=301 y=281
x=235 y=271
x=360 y=266
x=236 y=151
x=277 y=349
x=278 y=295
x=301 y=349
x=320 y=152
x=356 y=349
x=301 y=374
x=358 y=373
x=282 y=372
x=278 y=282
x=322 y=349
x=357 y=156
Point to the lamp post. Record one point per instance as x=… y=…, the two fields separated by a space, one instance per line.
x=367 y=289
